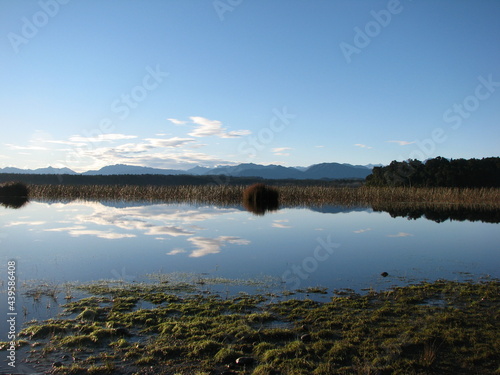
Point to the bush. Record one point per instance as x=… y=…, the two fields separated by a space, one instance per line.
x=13 y=189
x=259 y=198
x=13 y=194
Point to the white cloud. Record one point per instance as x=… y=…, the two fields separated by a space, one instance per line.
x=362 y=145
x=280 y=151
x=205 y=246
x=209 y=128
x=70 y=143
x=320 y=146
x=79 y=230
x=168 y=230
x=34 y=148
x=168 y=142
x=279 y=225
x=14 y=223
x=362 y=230
x=401 y=143
x=400 y=234
x=101 y=138
x=176 y=251
x=176 y=122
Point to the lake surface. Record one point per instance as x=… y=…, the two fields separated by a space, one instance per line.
x=334 y=247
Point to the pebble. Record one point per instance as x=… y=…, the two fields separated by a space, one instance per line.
x=306 y=338
x=384 y=274
x=243 y=361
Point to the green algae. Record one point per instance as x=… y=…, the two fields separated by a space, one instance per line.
x=439 y=327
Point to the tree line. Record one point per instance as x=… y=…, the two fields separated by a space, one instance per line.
x=438 y=172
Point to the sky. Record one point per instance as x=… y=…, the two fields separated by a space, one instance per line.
x=181 y=83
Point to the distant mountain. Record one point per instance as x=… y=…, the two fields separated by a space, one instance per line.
x=371 y=166
x=198 y=170
x=336 y=170
x=131 y=169
x=257 y=170
x=48 y=170
x=317 y=171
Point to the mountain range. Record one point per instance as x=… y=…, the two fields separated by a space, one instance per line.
x=316 y=171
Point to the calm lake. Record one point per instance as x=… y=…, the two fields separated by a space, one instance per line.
x=292 y=248
x=59 y=243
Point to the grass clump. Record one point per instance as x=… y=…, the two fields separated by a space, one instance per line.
x=259 y=198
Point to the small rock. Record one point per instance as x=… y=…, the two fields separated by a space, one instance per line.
x=57 y=364
x=384 y=274
x=243 y=361
x=306 y=338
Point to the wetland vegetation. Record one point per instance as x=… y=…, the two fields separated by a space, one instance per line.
x=288 y=195
x=443 y=327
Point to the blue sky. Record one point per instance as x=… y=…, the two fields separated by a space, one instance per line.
x=180 y=83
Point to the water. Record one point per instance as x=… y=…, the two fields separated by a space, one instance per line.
x=334 y=247
x=292 y=248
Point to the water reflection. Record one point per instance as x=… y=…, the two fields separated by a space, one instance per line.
x=440 y=214
x=13 y=202
x=108 y=220
x=94 y=240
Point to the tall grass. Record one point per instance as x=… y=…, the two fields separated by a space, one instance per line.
x=288 y=195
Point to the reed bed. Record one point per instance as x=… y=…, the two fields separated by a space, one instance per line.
x=289 y=195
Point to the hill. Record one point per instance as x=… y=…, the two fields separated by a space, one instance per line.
x=329 y=171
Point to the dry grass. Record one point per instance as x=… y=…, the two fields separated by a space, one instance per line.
x=288 y=195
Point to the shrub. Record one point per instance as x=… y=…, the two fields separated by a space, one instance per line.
x=13 y=189
x=259 y=198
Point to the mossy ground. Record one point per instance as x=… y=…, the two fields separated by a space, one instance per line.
x=442 y=327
